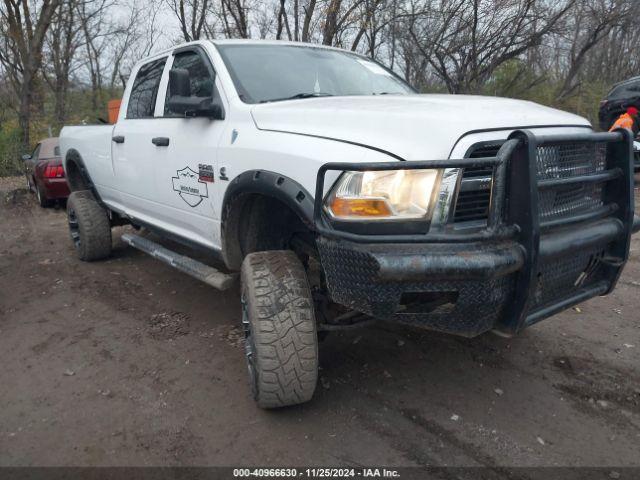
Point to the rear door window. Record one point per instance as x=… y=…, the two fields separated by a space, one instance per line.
x=142 y=99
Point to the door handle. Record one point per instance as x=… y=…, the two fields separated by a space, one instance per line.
x=118 y=139
x=160 y=141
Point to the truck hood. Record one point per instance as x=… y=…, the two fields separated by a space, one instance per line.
x=413 y=127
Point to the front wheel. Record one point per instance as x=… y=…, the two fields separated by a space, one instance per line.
x=89 y=226
x=278 y=319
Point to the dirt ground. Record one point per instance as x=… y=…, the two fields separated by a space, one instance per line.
x=128 y=362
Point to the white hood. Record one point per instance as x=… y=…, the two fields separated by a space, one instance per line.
x=413 y=127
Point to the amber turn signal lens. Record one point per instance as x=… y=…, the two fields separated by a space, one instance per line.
x=360 y=207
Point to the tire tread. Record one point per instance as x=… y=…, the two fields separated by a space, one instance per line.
x=281 y=313
x=93 y=224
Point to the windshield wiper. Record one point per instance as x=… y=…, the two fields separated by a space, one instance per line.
x=299 y=95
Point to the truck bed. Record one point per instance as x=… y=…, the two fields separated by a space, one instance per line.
x=94 y=143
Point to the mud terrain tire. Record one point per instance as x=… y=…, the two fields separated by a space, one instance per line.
x=281 y=342
x=89 y=226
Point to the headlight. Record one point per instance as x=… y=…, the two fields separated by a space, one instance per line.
x=383 y=195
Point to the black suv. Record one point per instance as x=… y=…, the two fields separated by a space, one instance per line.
x=622 y=95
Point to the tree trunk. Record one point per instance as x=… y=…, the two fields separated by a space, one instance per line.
x=24 y=115
x=331 y=22
x=306 y=24
x=26 y=38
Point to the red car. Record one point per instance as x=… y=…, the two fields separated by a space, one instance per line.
x=44 y=172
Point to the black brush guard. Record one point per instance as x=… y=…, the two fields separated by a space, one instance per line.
x=529 y=261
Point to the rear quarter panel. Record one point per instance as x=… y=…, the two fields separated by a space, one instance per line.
x=93 y=144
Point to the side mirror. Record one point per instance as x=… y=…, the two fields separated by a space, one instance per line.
x=179 y=82
x=181 y=101
x=195 y=107
x=26 y=156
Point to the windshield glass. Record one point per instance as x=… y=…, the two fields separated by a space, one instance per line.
x=266 y=73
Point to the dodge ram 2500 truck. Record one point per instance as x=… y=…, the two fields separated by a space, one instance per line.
x=341 y=196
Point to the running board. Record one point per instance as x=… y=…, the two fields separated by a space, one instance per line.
x=204 y=273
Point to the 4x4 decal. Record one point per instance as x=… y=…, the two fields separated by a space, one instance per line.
x=189 y=186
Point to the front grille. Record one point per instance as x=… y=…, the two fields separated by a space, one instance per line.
x=569 y=200
x=560 y=278
x=570 y=160
x=553 y=162
x=572 y=180
x=557 y=162
x=476 y=172
x=472 y=205
x=474 y=197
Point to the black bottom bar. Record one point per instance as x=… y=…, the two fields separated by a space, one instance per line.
x=599 y=288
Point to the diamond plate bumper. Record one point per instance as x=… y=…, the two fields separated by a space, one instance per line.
x=523 y=267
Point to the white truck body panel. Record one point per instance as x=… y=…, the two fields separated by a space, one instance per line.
x=413 y=127
x=293 y=138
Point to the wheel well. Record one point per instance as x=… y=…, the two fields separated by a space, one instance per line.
x=254 y=222
x=76 y=177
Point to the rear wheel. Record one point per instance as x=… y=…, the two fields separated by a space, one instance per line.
x=42 y=197
x=89 y=226
x=278 y=319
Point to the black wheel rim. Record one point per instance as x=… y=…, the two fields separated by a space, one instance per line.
x=249 y=349
x=74 y=228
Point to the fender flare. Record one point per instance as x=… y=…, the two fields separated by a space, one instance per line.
x=274 y=185
x=74 y=156
x=268 y=184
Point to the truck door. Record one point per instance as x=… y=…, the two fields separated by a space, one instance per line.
x=185 y=155
x=132 y=148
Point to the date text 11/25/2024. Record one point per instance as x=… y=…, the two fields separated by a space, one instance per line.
x=316 y=473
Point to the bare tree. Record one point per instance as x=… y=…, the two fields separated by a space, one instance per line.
x=235 y=15
x=509 y=47
x=264 y=19
x=617 y=57
x=590 y=21
x=466 y=41
x=283 y=20
x=100 y=32
x=23 y=31
x=337 y=18
x=309 y=10
x=137 y=33
x=191 y=15
x=61 y=45
x=373 y=19
x=138 y=42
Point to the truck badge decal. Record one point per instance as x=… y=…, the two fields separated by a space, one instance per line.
x=205 y=173
x=188 y=185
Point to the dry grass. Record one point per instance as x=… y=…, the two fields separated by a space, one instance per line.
x=8 y=184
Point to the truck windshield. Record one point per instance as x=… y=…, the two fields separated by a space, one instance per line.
x=269 y=73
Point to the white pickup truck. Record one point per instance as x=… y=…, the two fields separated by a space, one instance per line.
x=342 y=196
